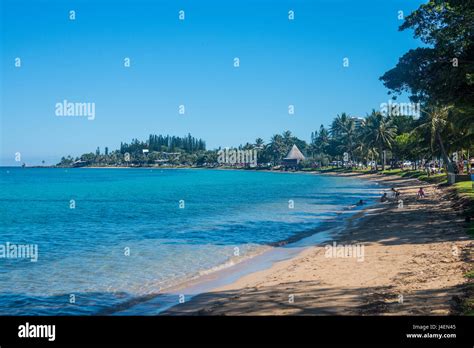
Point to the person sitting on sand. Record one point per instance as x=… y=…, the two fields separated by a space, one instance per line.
x=421 y=193
x=384 y=197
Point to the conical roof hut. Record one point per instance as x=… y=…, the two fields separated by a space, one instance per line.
x=295 y=154
x=294 y=157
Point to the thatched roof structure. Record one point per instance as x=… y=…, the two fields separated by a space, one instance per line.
x=294 y=154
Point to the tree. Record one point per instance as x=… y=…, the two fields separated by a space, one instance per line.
x=406 y=146
x=259 y=143
x=277 y=148
x=343 y=130
x=379 y=132
x=322 y=140
x=442 y=72
x=436 y=121
x=440 y=75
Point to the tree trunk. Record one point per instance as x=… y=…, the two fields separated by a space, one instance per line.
x=468 y=167
x=381 y=158
x=446 y=159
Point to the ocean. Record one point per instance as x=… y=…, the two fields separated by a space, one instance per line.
x=106 y=237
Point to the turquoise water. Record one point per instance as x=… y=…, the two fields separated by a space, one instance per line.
x=128 y=237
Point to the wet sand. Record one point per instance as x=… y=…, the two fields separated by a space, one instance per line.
x=413 y=263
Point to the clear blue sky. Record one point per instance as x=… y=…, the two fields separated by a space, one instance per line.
x=173 y=62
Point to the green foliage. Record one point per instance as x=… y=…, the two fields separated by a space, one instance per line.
x=166 y=143
x=430 y=73
x=439 y=76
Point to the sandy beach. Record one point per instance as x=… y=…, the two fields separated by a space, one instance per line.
x=414 y=262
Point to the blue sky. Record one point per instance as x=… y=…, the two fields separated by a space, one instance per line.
x=189 y=62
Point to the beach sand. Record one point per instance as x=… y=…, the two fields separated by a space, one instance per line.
x=414 y=261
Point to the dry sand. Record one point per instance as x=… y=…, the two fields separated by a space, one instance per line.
x=414 y=261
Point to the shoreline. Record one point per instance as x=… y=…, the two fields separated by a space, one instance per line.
x=236 y=268
x=225 y=275
x=408 y=270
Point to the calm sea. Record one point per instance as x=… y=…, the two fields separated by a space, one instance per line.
x=108 y=236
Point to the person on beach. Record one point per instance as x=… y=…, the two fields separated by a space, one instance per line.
x=395 y=192
x=421 y=193
x=384 y=197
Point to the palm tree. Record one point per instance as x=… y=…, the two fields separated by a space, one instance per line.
x=343 y=129
x=379 y=133
x=288 y=139
x=322 y=141
x=435 y=121
x=277 y=148
x=247 y=146
x=364 y=149
x=259 y=143
x=462 y=120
